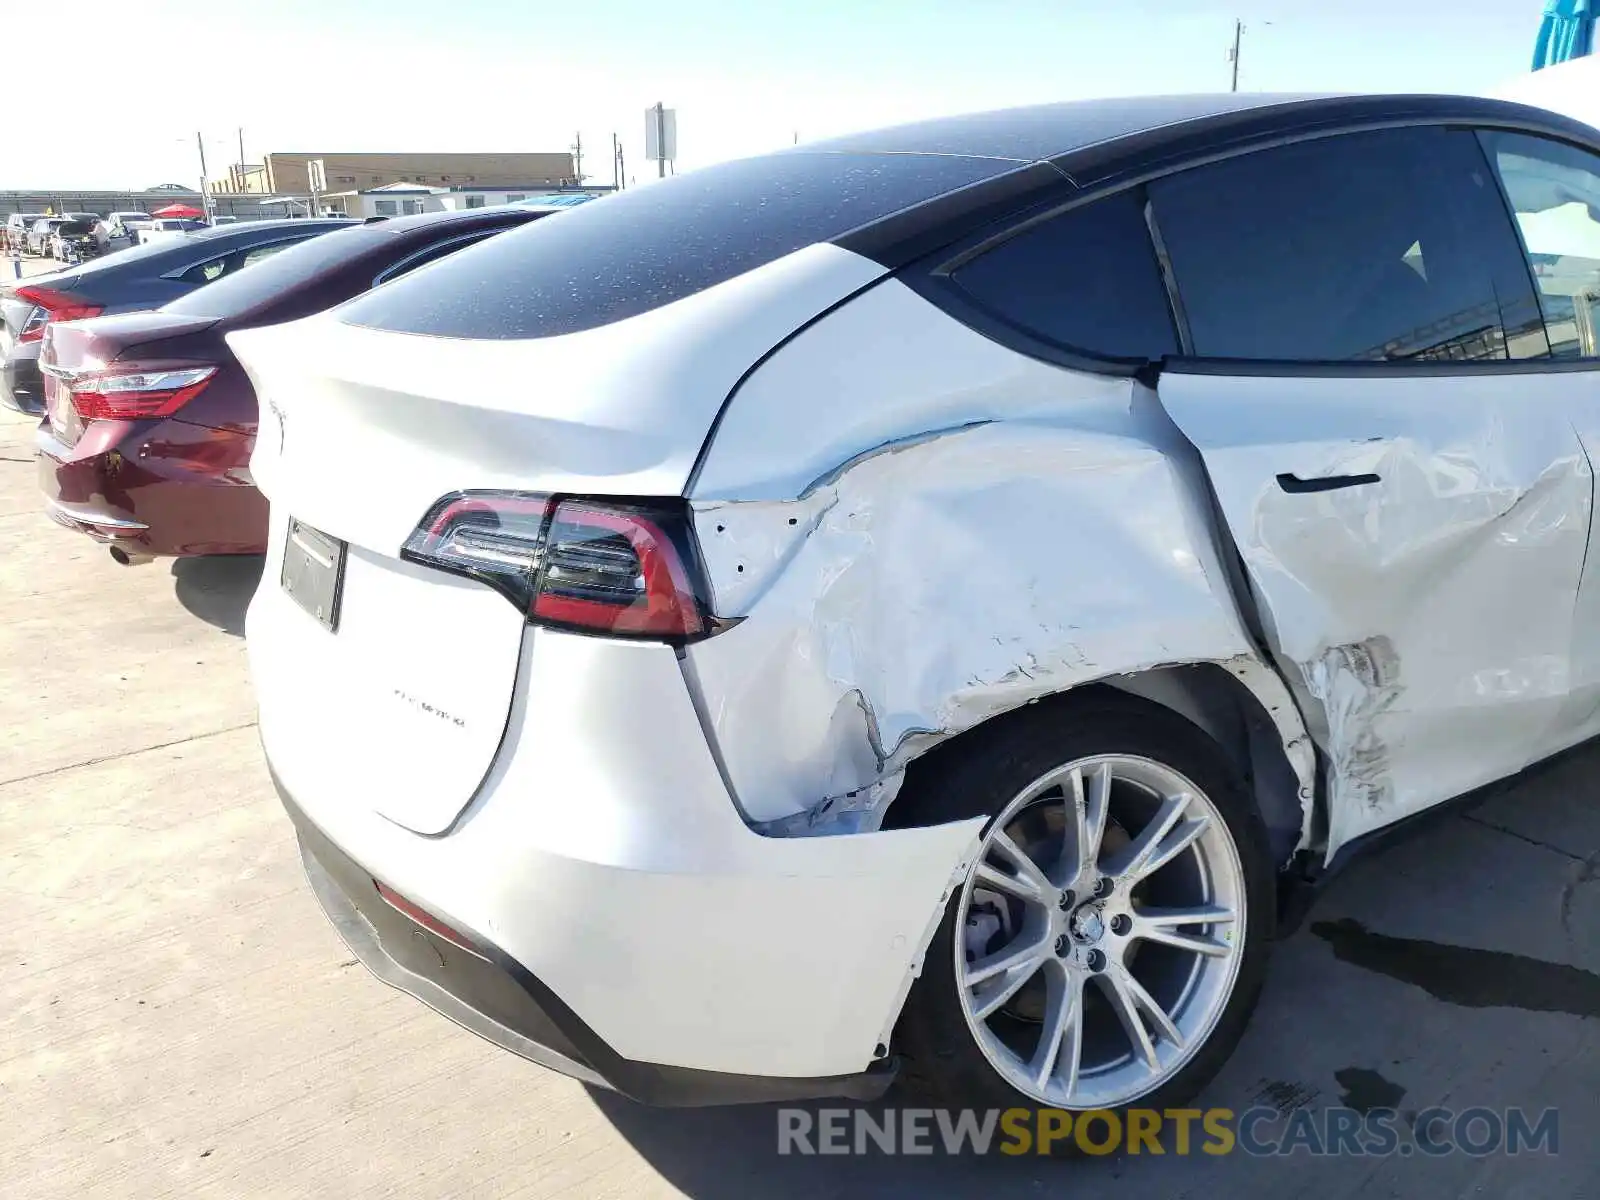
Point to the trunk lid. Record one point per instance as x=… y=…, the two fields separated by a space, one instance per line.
x=88 y=345
x=75 y=347
x=405 y=697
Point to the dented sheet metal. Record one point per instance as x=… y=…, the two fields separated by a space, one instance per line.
x=928 y=590
x=1424 y=608
x=967 y=531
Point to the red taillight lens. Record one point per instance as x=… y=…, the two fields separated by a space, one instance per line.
x=50 y=305
x=118 y=394
x=628 y=570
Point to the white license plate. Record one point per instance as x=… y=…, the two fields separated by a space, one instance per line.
x=57 y=402
x=313 y=571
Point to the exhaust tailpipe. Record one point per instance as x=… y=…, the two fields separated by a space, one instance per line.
x=123 y=558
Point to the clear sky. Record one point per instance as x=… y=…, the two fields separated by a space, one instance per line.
x=121 y=108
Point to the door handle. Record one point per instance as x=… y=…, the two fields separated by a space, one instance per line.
x=1294 y=485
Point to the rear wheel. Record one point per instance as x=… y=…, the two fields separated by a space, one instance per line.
x=1107 y=945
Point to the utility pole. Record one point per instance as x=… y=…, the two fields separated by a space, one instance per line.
x=577 y=158
x=205 y=196
x=1233 y=56
x=661 y=141
x=616 y=163
x=622 y=168
x=241 y=150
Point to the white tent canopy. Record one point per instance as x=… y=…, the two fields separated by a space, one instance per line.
x=1570 y=88
x=1554 y=203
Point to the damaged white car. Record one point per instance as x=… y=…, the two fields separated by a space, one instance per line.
x=920 y=605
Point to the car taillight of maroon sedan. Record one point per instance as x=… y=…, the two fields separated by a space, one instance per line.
x=150 y=420
x=145 y=443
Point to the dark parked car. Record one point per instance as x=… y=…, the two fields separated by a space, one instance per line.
x=140 y=277
x=151 y=420
x=75 y=240
x=73 y=221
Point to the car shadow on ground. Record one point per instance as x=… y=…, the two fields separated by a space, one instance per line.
x=218 y=589
x=1384 y=991
x=731 y=1154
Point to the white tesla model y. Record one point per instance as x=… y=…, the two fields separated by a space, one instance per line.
x=926 y=605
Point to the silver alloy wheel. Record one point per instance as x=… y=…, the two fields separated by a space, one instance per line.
x=1100 y=932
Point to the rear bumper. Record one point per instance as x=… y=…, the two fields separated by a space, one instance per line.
x=155 y=487
x=495 y=997
x=601 y=853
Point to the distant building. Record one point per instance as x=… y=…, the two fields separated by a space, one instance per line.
x=290 y=174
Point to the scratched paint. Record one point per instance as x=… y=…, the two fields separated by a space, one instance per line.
x=1357 y=685
x=1425 y=618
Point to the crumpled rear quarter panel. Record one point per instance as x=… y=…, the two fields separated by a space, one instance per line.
x=920 y=530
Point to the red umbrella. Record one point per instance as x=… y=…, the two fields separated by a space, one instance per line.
x=178 y=210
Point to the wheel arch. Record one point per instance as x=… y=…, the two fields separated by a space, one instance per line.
x=1214 y=697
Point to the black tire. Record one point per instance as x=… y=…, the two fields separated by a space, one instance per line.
x=978 y=776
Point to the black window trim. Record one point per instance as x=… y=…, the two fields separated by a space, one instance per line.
x=930 y=276
x=1505 y=199
x=1311 y=369
x=1169 y=277
x=459 y=241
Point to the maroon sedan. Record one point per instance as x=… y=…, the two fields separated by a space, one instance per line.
x=149 y=419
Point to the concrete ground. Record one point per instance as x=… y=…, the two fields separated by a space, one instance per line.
x=177 y=1019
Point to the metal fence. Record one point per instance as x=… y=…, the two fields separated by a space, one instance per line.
x=65 y=200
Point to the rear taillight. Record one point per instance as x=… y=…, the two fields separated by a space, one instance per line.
x=132 y=393
x=623 y=569
x=50 y=305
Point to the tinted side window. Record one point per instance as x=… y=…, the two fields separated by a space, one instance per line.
x=646 y=247
x=227 y=264
x=1388 y=246
x=205 y=272
x=1554 y=190
x=1087 y=280
x=261 y=253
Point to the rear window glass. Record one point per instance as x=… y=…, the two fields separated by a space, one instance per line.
x=640 y=249
x=76 y=227
x=1087 y=280
x=263 y=281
